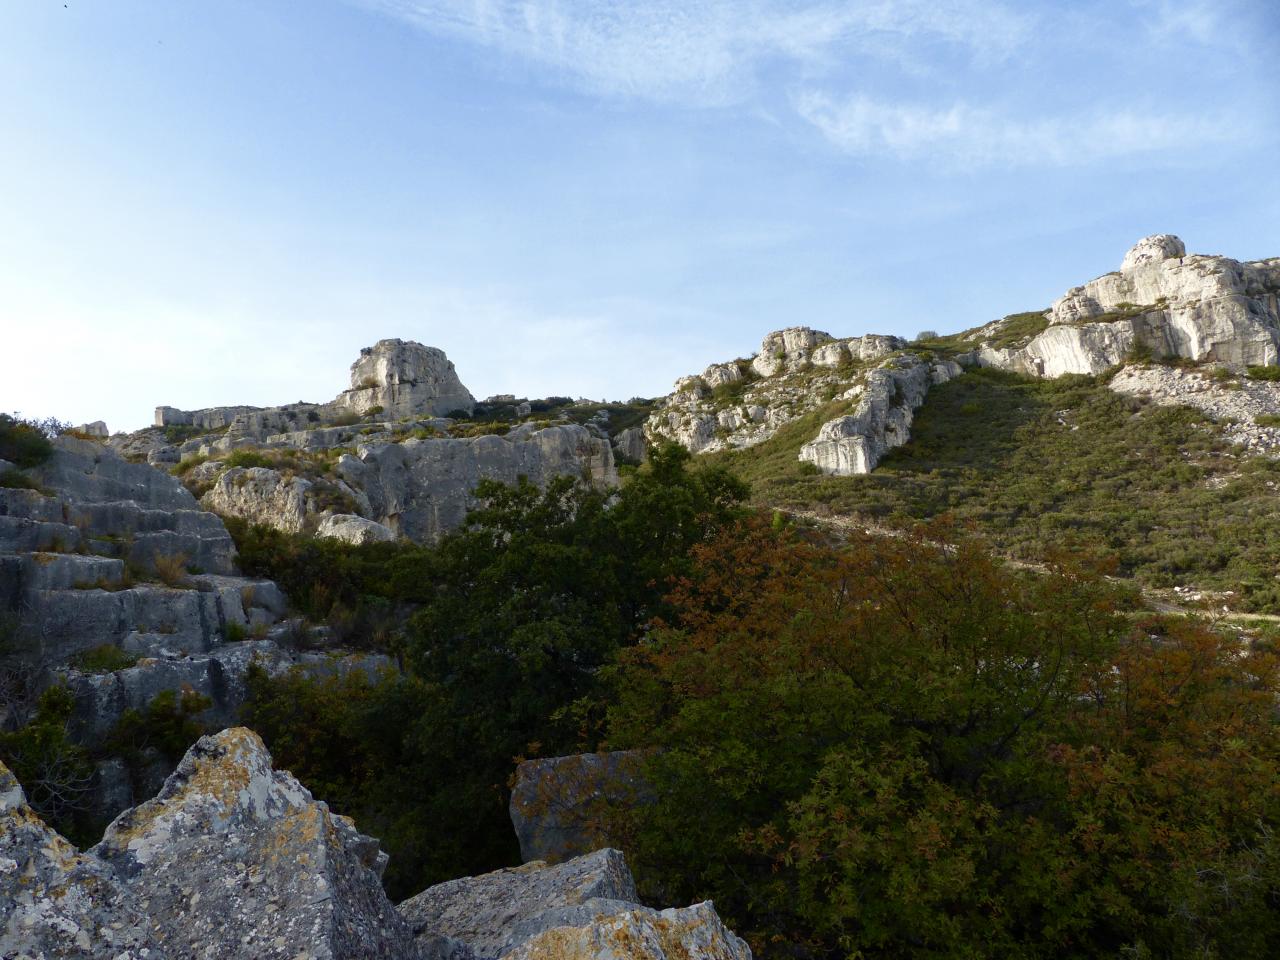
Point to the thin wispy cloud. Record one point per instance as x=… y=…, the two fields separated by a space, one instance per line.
x=706 y=54
x=969 y=135
x=808 y=56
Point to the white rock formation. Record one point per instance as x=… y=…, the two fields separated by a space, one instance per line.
x=406 y=379
x=260 y=495
x=1162 y=302
x=796 y=370
x=855 y=443
x=354 y=529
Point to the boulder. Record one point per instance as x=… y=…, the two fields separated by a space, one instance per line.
x=55 y=901
x=1161 y=246
x=96 y=429
x=235 y=860
x=586 y=907
x=684 y=933
x=261 y=495
x=353 y=529
x=559 y=805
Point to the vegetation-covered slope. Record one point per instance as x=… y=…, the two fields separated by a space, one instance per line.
x=1039 y=464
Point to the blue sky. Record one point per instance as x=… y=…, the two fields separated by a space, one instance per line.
x=221 y=202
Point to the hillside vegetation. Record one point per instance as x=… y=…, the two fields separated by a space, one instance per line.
x=1040 y=464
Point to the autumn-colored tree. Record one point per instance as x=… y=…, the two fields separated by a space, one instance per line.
x=902 y=747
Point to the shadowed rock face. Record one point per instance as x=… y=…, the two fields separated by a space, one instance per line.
x=560 y=805
x=55 y=901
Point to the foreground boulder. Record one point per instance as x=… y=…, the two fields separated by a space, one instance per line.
x=586 y=907
x=560 y=806
x=233 y=859
x=55 y=901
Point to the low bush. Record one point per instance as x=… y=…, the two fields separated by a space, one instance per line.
x=1270 y=373
x=106 y=658
x=26 y=443
x=17 y=480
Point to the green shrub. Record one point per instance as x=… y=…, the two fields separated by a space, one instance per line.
x=1267 y=420
x=189 y=462
x=1017 y=328
x=17 y=480
x=247 y=457
x=106 y=658
x=1271 y=373
x=25 y=443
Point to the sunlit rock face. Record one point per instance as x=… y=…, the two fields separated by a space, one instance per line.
x=1162 y=302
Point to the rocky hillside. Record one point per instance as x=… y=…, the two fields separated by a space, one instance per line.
x=397 y=454
x=1160 y=305
x=117 y=586
x=233 y=859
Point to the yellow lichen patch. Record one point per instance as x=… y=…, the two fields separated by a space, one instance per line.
x=221 y=777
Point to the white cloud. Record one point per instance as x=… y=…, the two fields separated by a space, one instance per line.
x=708 y=53
x=970 y=136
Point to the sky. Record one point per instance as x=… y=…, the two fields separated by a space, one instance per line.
x=222 y=202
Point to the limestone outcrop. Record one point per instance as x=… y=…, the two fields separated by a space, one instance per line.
x=586 y=907
x=400 y=378
x=56 y=901
x=405 y=379
x=234 y=859
x=854 y=443
x=1162 y=303
x=389 y=454
x=745 y=402
x=421 y=489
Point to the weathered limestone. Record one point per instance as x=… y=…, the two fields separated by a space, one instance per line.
x=402 y=377
x=855 y=443
x=421 y=489
x=234 y=860
x=260 y=495
x=406 y=379
x=630 y=445
x=796 y=370
x=560 y=805
x=351 y=528
x=1163 y=302
x=1236 y=407
x=55 y=901
x=586 y=907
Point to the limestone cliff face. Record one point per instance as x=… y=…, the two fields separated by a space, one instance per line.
x=854 y=443
x=388 y=458
x=1162 y=302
